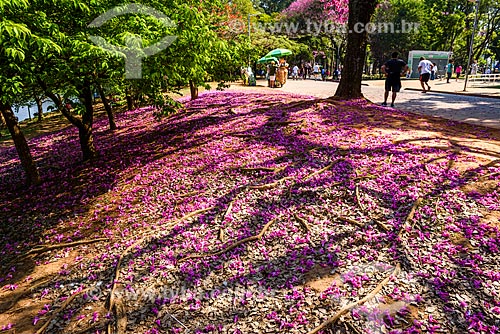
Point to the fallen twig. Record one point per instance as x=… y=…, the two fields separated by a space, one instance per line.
x=410 y=216
x=191 y=193
x=275 y=170
x=358 y=199
x=379 y=223
x=485 y=177
x=228 y=210
x=42 y=249
x=60 y=309
x=302 y=222
x=236 y=244
x=324 y=169
x=351 y=221
x=350 y=306
x=351 y=327
x=270 y=185
x=180 y=323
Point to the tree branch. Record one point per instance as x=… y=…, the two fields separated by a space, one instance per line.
x=350 y=306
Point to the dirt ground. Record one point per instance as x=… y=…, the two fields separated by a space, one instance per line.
x=479 y=143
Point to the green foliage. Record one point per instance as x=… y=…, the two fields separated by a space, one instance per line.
x=274 y=6
x=444 y=25
x=392 y=14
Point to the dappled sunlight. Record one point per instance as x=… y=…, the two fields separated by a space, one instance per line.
x=259 y=210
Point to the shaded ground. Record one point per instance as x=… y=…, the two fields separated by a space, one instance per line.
x=342 y=193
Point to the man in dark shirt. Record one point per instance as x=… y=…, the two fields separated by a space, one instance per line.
x=393 y=70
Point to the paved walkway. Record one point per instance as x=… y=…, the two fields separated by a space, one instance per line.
x=483 y=111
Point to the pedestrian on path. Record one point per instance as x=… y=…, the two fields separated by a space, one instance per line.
x=272 y=74
x=295 y=73
x=458 y=71
x=316 y=71
x=434 y=72
x=425 y=69
x=393 y=69
x=449 y=70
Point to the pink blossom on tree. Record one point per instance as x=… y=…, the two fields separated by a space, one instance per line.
x=333 y=10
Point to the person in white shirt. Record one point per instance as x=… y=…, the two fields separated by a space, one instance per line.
x=316 y=71
x=295 y=73
x=425 y=69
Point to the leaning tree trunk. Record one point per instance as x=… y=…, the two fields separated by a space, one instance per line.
x=130 y=102
x=360 y=13
x=85 y=131
x=84 y=124
x=23 y=150
x=107 y=107
x=2 y=121
x=194 y=90
x=39 y=105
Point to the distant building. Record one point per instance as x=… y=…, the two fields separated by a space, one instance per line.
x=439 y=57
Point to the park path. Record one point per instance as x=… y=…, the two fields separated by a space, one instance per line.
x=477 y=110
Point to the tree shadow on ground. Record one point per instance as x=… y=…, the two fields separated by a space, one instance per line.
x=278 y=126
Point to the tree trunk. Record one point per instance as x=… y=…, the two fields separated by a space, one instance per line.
x=194 y=90
x=360 y=13
x=85 y=131
x=84 y=124
x=107 y=107
x=23 y=150
x=39 y=106
x=130 y=102
x=2 y=121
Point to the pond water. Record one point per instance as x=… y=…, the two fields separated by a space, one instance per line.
x=24 y=112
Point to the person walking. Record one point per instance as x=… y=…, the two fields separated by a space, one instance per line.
x=458 y=71
x=272 y=74
x=295 y=73
x=316 y=71
x=425 y=69
x=434 y=72
x=449 y=70
x=393 y=70
x=473 y=69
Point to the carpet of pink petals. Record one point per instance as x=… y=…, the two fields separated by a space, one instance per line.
x=151 y=173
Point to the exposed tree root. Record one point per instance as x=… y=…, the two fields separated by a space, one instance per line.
x=21 y=294
x=324 y=169
x=275 y=170
x=301 y=104
x=111 y=304
x=121 y=319
x=228 y=210
x=296 y=154
x=382 y=225
x=410 y=216
x=351 y=221
x=191 y=193
x=236 y=244
x=42 y=249
x=60 y=309
x=270 y=185
x=358 y=199
x=302 y=222
x=351 y=327
x=350 y=306
x=471 y=173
